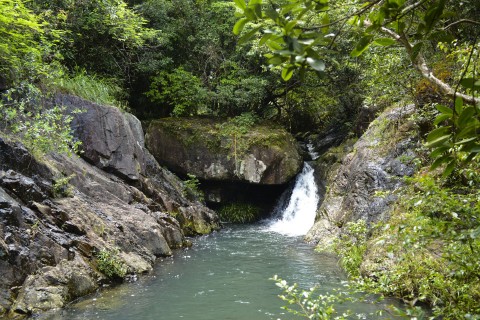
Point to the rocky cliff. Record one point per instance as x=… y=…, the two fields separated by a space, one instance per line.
x=359 y=176
x=67 y=224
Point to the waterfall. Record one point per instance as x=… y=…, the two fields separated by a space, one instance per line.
x=298 y=216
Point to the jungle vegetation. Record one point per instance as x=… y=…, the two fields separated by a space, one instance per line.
x=309 y=65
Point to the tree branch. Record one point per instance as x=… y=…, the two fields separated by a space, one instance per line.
x=421 y=65
x=462 y=21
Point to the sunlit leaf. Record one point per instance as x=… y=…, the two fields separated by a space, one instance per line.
x=240 y=4
x=317 y=65
x=287 y=73
x=384 y=41
x=239 y=25
x=362 y=45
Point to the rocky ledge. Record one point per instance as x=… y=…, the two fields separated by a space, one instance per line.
x=265 y=155
x=69 y=224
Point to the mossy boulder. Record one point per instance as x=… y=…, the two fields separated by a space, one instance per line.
x=264 y=155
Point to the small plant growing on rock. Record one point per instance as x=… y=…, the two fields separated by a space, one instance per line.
x=62 y=188
x=110 y=264
x=192 y=186
x=238 y=212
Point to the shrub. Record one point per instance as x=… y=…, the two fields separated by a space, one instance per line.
x=110 y=264
x=351 y=246
x=41 y=129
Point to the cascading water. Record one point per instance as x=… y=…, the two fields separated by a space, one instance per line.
x=298 y=216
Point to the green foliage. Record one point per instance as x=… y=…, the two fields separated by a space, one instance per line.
x=351 y=246
x=101 y=36
x=41 y=130
x=62 y=187
x=192 y=186
x=432 y=249
x=179 y=91
x=110 y=264
x=239 y=212
x=457 y=137
x=93 y=88
x=235 y=130
x=307 y=304
x=23 y=48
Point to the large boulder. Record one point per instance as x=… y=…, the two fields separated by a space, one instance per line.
x=265 y=155
x=111 y=139
x=359 y=182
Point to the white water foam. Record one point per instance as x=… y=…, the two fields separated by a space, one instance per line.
x=299 y=215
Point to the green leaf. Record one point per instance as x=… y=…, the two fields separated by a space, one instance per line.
x=271 y=13
x=449 y=168
x=433 y=14
x=466 y=117
x=439 y=151
x=362 y=45
x=258 y=10
x=438 y=132
x=458 y=105
x=250 y=14
x=470 y=83
x=238 y=27
x=287 y=72
x=240 y=4
x=438 y=137
x=317 y=65
x=443 y=109
x=265 y=38
x=249 y=35
x=276 y=60
x=438 y=162
x=289 y=26
x=439 y=119
x=467 y=131
x=416 y=50
x=384 y=41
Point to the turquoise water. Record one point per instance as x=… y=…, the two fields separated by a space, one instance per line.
x=223 y=276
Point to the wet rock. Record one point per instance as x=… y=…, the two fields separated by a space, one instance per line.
x=23 y=187
x=360 y=184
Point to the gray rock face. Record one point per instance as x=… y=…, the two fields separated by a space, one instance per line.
x=112 y=141
x=358 y=187
x=50 y=239
x=265 y=155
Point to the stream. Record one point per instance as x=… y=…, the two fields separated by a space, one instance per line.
x=226 y=275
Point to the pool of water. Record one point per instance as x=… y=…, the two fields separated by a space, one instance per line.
x=224 y=275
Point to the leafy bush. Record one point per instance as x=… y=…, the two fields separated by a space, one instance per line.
x=308 y=304
x=239 y=212
x=179 y=91
x=351 y=246
x=110 y=264
x=432 y=243
x=42 y=130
